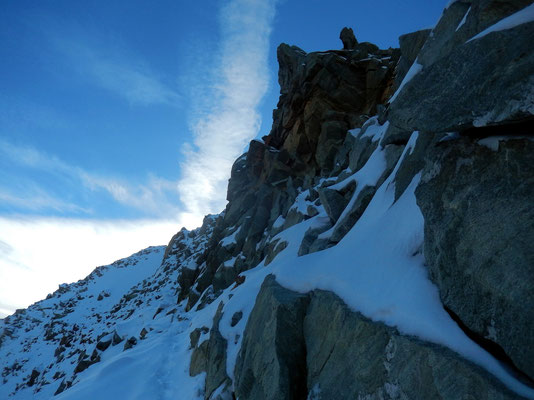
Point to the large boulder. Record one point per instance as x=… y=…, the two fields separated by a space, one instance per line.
x=271 y=363
x=465 y=80
x=333 y=88
x=299 y=346
x=351 y=357
x=476 y=200
x=347 y=37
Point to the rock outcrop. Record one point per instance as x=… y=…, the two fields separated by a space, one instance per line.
x=323 y=94
x=295 y=341
x=478 y=231
x=272 y=361
x=348 y=38
x=446 y=121
x=210 y=357
x=467 y=76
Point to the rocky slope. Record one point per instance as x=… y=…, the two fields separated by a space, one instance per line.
x=377 y=243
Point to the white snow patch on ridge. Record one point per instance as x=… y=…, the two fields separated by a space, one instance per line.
x=462 y=22
x=229 y=240
x=521 y=17
x=414 y=70
x=375 y=131
x=492 y=142
x=368 y=175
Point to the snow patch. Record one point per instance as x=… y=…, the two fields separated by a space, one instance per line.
x=414 y=70
x=462 y=22
x=492 y=142
x=368 y=175
x=229 y=240
x=279 y=222
x=355 y=132
x=521 y=17
x=374 y=130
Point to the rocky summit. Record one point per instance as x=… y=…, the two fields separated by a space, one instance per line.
x=376 y=244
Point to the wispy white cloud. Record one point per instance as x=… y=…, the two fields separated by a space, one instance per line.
x=136 y=83
x=37 y=254
x=231 y=119
x=156 y=197
x=35 y=199
x=114 y=69
x=19 y=114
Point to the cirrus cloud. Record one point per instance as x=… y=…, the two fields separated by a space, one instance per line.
x=230 y=119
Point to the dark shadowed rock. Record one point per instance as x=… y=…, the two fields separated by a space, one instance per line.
x=143 y=333
x=333 y=202
x=210 y=357
x=103 y=344
x=33 y=377
x=351 y=357
x=116 y=339
x=61 y=388
x=85 y=361
x=494 y=74
x=395 y=135
x=410 y=45
x=289 y=58
x=236 y=318
x=479 y=230
x=194 y=336
x=271 y=363
x=413 y=161
x=331 y=138
x=347 y=37
x=130 y=343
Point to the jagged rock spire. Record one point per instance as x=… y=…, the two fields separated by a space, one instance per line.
x=348 y=38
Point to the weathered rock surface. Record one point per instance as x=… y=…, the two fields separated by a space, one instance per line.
x=272 y=361
x=410 y=45
x=315 y=342
x=465 y=83
x=475 y=195
x=479 y=230
x=323 y=95
x=210 y=357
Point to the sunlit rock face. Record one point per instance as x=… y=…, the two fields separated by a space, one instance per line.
x=377 y=243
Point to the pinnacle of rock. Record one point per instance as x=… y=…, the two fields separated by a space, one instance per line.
x=348 y=38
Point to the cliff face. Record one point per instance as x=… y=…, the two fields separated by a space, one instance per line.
x=377 y=243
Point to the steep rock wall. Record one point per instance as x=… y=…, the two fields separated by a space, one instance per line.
x=340 y=139
x=475 y=197
x=345 y=355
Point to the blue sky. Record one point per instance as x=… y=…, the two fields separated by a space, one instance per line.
x=119 y=120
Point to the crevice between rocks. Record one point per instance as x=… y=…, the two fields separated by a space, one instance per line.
x=301 y=381
x=494 y=349
x=523 y=127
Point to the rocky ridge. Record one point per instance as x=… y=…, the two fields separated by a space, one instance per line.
x=446 y=120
